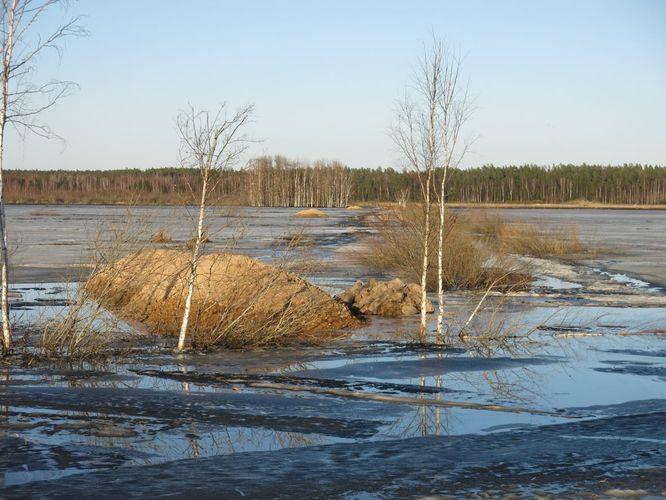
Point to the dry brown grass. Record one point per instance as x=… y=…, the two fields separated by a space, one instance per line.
x=238 y=301
x=529 y=239
x=161 y=236
x=522 y=238
x=44 y=212
x=479 y=248
x=192 y=241
x=82 y=332
x=468 y=263
x=578 y=204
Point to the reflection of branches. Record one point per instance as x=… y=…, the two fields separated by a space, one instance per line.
x=386 y=398
x=499 y=333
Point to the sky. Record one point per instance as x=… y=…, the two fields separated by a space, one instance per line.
x=553 y=81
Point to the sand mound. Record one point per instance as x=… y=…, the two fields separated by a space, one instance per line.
x=354 y=207
x=238 y=301
x=311 y=212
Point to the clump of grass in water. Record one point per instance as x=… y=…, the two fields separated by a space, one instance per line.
x=161 y=236
x=191 y=242
x=525 y=238
x=83 y=332
x=469 y=263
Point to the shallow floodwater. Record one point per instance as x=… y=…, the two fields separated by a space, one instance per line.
x=636 y=238
x=47 y=239
x=559 y=390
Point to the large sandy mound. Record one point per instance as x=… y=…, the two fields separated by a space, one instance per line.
x=311 y=212
x=238 y=301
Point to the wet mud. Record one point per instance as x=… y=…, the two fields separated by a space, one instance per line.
x=563 y=459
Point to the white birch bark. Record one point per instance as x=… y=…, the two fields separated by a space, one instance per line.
x=440 y=260
x=209 y=145
x=22 y=101
x=193 y=267
x=429 y=121
x=423 y=330
x=4 y=293
x=4 y=254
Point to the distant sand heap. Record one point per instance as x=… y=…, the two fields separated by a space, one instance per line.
x=238 y=301
x=311 y=212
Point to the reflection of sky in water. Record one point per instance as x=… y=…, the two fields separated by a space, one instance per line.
x=627 y=280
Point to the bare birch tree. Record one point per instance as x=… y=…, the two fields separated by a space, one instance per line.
x=416 y=133
x=210 y=143
x=454 y=109
x=427 y=134
x=22 y=100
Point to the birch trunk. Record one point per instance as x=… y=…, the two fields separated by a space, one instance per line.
x=193 y=267
x=424 y=272
x=4 y=256
x=440 y=260
x=4 y=293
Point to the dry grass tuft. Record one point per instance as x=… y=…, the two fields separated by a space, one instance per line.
x=83 y=332
x=525 y=238
x=469 y=264
x=161 y=236
x=529 y=239
x=44 y=212
x=192 y=241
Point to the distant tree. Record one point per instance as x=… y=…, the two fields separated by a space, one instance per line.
x=295 y=183
x=22 y=100
x=210 y=144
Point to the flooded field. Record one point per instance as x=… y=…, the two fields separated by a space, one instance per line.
x=560 y=390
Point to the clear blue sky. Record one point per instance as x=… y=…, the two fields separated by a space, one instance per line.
x=554 y=81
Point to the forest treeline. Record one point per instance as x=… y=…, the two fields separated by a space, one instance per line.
x=278 y=181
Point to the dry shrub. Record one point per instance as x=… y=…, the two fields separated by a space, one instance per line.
x=468 y=263
x=82 y=332
x=161 y=236
x=238 y=301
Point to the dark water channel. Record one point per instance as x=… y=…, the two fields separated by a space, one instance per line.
x=571 y=401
